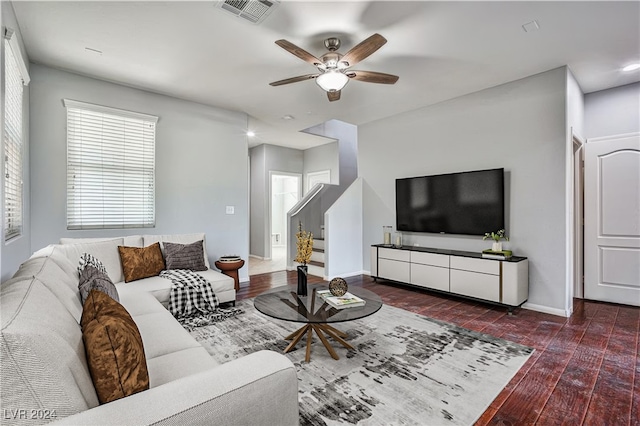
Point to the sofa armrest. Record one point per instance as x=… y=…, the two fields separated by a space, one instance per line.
x=260 y=388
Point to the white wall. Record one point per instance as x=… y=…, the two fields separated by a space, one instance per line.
x=344 y=233
x=320 y=158
x=201 y=163
x=13 y=253
x=613 y=111
x=519 y=126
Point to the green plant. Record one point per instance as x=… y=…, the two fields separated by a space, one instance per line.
x=496 y=236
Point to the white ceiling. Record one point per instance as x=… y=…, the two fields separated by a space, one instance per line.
x=440 y=50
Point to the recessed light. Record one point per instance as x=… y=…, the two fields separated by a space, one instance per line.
x=530 y=27
x=631 y=67
x=288 y=117
x=250 y=133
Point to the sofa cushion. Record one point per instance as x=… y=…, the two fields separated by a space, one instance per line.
x=185 y=256
x=42 y=355
x=129 y=240
x=105 y=251
x=92 y=278
x=181 y=239
x=160 y=287
x=162 y=334
x=63 y=286
x=140 y=303
x=167 y=368
x=141 y=262
x=115 y=352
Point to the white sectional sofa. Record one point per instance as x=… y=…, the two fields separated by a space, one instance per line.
x=45 y=376
x=106 y=250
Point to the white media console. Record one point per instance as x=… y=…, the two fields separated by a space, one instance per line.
x=457 y=272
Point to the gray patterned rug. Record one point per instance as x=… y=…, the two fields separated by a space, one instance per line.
x=407 y=370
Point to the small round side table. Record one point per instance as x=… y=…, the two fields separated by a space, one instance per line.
x=231 y=269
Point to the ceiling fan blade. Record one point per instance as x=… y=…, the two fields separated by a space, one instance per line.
x=333 y=96
x=293 y=79
x=372 y=77
x=364 y=49
x=299 y=52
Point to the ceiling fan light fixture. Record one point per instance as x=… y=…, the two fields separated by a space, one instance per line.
x=332 y=80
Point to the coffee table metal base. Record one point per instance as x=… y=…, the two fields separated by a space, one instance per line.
x=321 y=330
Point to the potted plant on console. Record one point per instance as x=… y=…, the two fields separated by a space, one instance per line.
x=304 y=245
x=496 y=248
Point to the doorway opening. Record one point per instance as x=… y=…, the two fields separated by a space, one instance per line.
x=285 y=190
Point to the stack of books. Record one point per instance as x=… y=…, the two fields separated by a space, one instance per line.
x=500 y=255
x=347 y=300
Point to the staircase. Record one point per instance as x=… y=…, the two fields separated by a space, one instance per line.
x=316 y=264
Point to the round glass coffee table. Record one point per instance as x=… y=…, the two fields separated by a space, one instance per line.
x=315 y=313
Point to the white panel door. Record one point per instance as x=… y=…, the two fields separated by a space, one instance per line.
x=612 y=220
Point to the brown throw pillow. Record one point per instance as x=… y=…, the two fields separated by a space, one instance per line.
x=185 y=256
x=114 y=349
x=138 y=263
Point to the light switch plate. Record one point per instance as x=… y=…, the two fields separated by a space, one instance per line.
x=230 y=210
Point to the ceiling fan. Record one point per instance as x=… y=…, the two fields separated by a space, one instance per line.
x=333 y=67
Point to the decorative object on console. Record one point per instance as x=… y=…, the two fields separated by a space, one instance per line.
x=338 y=286
x=500 y=255
x=141 y=262
x=304 y=245
x=398 y=240
x=496 y=237
x=386 y=233
x=185 y=256
x=115 y=353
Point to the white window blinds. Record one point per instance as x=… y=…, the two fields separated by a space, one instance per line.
x=110 y=167
x=16 y=77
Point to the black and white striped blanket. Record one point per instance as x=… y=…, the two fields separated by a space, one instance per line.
x=192 y=300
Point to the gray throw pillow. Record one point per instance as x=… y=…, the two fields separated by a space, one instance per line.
x=185 y=256
x=92 y=278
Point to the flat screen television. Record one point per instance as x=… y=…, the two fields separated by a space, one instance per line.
x=467 y=203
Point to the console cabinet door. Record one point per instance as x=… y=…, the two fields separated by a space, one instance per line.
x=430 y=276
x=394 y=270
x=481 y=286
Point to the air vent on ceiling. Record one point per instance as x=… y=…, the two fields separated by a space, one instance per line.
x=254 y=11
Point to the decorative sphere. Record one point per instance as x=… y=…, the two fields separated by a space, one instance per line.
x=338 y=286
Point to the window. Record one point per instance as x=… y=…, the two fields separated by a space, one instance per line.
x=110 y=167
x=15 y=78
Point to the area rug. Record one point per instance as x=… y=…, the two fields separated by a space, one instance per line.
x=407 y=369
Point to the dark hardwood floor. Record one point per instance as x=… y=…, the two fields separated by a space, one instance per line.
x=585 y=369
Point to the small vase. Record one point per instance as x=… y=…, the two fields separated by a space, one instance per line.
x=497 y=246
x=302 y=280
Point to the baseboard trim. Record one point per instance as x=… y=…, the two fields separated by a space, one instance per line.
x=546 y=310
x=259 y=257
x=347 y=275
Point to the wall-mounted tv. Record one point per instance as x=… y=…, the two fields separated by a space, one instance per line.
x=468 y=203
